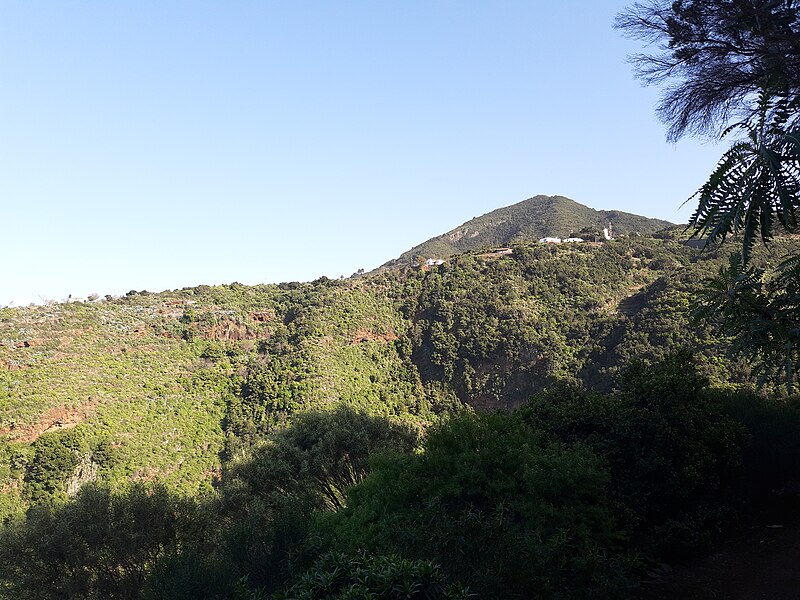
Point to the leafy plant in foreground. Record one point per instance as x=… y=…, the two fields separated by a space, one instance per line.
x=503 y=511
x=337 y=576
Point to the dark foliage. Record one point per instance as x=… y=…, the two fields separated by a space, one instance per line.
x=560 y=499
x=673 y=455
x=500 y=509
x=100 y=545
x=55 y=458
x=755 y=188
x=270 y=498
x=319 y=457
x=337 y=576
x=723 y=62
x=771 y=459
x=714 y=57
x=760 y=310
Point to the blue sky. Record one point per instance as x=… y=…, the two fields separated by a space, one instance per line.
x=158 y=145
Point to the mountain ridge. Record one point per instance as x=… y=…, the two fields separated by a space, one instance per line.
x=529 y=220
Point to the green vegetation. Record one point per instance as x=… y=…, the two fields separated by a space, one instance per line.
x=731 y=67
x=531 y=219
x=668 y=444
x=339 y=577
x=318 y=458
x=541 y=421
x=168 y=387
x=568 y=497
x=758 y=308
x=99 y=545
x=516 y=425
x=497 y=505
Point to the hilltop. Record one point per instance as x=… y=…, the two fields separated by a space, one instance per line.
x=527 y=221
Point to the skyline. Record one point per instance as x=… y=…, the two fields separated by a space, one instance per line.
x=151 y=146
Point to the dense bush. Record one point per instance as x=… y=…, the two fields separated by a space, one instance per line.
x=55 y=457
x=269 y=498
x=235 y=386
x=560 y=499
x=318 y=458
x=772 y=457
x=499 y=508
x=100 y=545
x=337 y=576
x=674 y=456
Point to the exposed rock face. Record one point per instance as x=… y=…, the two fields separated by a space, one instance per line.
x=54 y=419
x=230 y=331
x=84 y=473
x=262 y=316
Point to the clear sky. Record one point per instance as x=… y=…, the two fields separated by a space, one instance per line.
x=162 y=144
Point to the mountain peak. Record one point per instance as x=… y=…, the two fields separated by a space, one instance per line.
x=532 y=219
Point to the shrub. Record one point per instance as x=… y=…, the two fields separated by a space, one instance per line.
x=100 y=545
x=55 y=457
x=337 y=576
x=499 y=508
x=674 y=456
x=772 y=457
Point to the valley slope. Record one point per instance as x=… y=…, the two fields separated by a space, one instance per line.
x=170 y=386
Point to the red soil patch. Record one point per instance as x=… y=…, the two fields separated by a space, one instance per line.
x=56 y=418
x=230 y=331
x=262 y=316
x=30 y=343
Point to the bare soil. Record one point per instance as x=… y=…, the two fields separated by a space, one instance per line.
x=58 y=417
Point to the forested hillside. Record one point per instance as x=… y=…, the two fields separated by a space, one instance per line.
x=224 y=405
x=531 y=219
x=160 y=386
